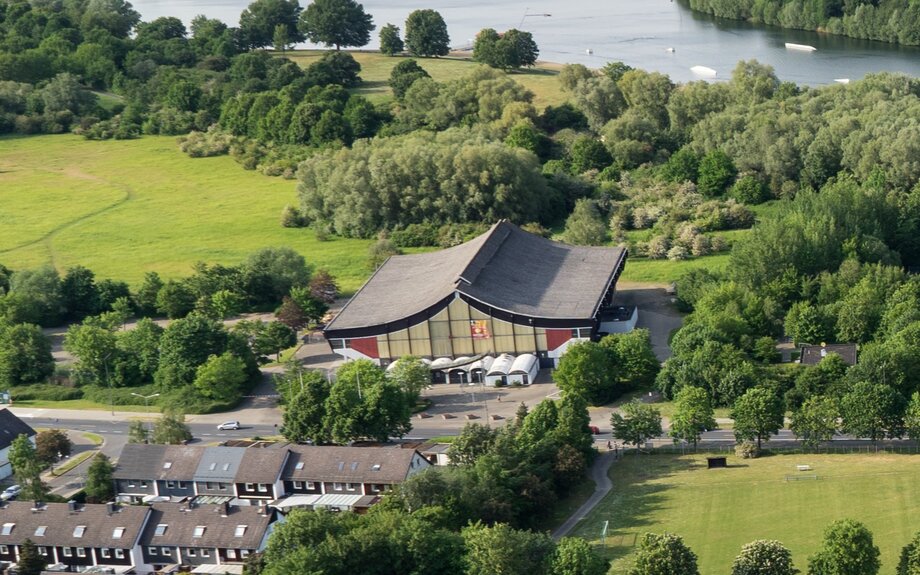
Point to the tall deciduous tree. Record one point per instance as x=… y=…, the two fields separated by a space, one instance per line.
x=873 y=410
x=909 y=563
x=171 y=429
x=412 y=375
x=426 y=34
x=403 y=75
x=693 y=414
x=501 y=549
x=847 y=549
x=304 y=416
x=664 y=554
x=585 y=226
x=575 y=556
x=912 y=417
x=27 y=468
x=339 y=23
x=221 y=377
x=474 y=441
x=638 y=423
x=390 y=41
x=25 y=354
x=51 y=445
x=757 y=414
x=258 y=22
x=137 y=432
x=99 y=483
x=635 y=356
x=764 y=557
x=816 y=421
x=589 y=370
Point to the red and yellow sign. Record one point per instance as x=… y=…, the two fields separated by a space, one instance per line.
x=479 y=329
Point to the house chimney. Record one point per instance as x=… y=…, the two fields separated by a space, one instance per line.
x=111 y=508
x=71 y=505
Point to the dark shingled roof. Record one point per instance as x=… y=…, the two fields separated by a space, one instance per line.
x=349 y=464
x=261 y=465
x=60 y=523
x=12 y=427
x=505 y=268
x=813 y=354
x=219 y=531
x=139 y=461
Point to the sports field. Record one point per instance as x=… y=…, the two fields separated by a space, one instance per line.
x=717 y=511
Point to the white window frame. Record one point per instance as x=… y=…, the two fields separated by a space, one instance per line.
x=106 y=553
x=190 y=552
x=231 y=553
x=68 y=552
x=311 y=485
x=43 y=551
x=166 y=551
x=244 y=553
x=180 y=484
x=298 y=485
x=350 y=487
x=263 y=488
x=119 y=554
x=205 y=552
x=153 y=551
x=81 y=552
x=4 y=550
x=250 y=487
x=170 y=484
x=336 y=486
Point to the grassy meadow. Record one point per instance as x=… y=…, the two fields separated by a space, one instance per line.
x=376 y=68
x=123 y=208
x=717 y=511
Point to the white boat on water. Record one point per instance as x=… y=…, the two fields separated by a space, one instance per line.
x=703 y=71
x=800 y=47
x=842 y=80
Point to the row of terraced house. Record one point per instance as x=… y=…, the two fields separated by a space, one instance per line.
x=199 y=509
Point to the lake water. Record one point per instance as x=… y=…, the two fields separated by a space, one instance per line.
x=640 y=33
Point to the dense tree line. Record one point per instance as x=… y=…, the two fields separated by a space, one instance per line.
x=895 y=21
x=195 y=361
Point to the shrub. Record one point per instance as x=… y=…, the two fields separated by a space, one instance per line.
x=214 y=142
x=45 y=392
x=118 y=395
x=747 y=450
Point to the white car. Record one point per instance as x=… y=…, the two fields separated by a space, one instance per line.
x=10 y=492
x=229 y=425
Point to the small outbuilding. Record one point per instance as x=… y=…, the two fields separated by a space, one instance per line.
x=499 y=370
x=524 y=369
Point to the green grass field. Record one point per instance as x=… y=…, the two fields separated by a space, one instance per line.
x=375 y=72
x=717 y=511
x=123 y=208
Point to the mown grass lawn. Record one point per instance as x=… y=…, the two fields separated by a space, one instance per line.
x=123 y=208
x=717 y=511
x=542 y=80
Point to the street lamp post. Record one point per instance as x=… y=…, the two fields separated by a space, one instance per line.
x=146 y=398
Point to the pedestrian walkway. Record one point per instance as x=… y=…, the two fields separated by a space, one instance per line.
x=602 y=486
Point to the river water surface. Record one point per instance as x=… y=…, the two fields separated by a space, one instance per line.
x=656 y=35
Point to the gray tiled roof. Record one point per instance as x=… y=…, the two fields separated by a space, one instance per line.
x=813 y=354
x=179 y=462
x=219 y=464
x=220 y=531
x=12 y=427
x=506 y=268
x=349 y=464
x=261 y=465
x=60 y=524
x=139 y=461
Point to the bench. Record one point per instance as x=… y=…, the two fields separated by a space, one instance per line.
x=803 y=467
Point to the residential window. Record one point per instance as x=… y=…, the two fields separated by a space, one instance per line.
x=299 y=465
x=68 y=552
x=231 y=553
x=160 y=530
x=79 y=530
x=44 y=550
x=205 y=553
x=209 y=485
x=298 y=485
x=311 y=485
x=166 y=551
x=337 y=486
x=81 y=552
x=167 y=464
x=222 y=486
x=350 y=486
x=119 y=553
x=143 y=483
x=376 y=488
x=190 y=552
x=152 y=551
x=171 y=484
x=7 y=528
x=240 y=531
x=244 y=553
x=250 y=487
x=4 y=550
x=118 y=532
x=181 y=485
x=106 y=553
x=263 y=488
x=40 y=530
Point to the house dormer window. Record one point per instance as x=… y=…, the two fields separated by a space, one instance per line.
x=240 y=531
x=118 y=532
x=160 y=530
x=199 y=531
x=79 y=530
x=40 y=530
x=7 y=528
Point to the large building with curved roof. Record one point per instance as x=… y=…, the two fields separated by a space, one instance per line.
x=505 y=291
